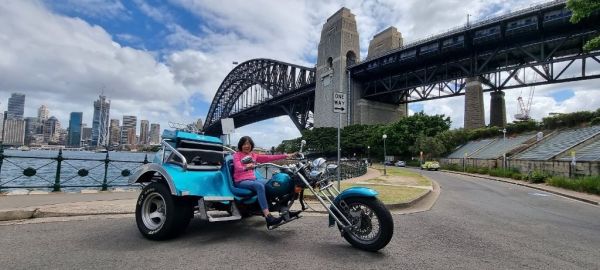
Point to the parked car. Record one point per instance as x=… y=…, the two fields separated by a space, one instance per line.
x=430 y=165
x=400 y=163
x=388 y=163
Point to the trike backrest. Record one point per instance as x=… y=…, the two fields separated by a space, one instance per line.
x=199 y=155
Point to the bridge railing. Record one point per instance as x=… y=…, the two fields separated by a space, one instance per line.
x=59 y=172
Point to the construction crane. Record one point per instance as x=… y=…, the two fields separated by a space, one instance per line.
x=524 y=110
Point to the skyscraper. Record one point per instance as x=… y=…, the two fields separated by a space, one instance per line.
x=43 y=113
x=144 y=136
x=32 y=127
x=51 y=130
x=86 y=135
x=1 y=126
x=14 y=132
x=16 y=106
x=115 y=134
x=155 y=133
x=74 y=136
x=129 y=126
x=100 y=122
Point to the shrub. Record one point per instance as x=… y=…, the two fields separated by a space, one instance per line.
x=452 y=167
x=589 y=184
x=537 y=177
x=413 y=163
x=516 y=176
x=483 y=170
x=595 y=121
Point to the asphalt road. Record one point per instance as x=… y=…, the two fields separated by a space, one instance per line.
x=475 y=224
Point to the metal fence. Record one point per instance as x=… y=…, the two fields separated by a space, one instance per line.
x=59 y=172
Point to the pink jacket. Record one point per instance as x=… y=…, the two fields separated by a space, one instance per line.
x=239 y=170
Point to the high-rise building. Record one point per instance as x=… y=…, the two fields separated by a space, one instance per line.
x=1 y=126
x=131 y=137
x=14 y=132
x=100 y=122
x=32 y=127
x=86 y=135
x=75 y=127
x=43 y=113
x=144 y=128
x=155 y=133
x=51 y=130
x=16 y=106
x=115 y=135
x=129 y=122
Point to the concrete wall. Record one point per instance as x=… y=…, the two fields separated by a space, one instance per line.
x=553 y=167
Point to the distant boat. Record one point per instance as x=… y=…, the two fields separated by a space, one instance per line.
x=101 y=151
x=24 y=148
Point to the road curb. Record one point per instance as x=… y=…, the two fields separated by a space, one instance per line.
x=527 y=185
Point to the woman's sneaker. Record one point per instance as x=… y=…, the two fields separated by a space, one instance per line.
x=272 y=221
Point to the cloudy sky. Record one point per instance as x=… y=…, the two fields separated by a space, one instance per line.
x=164 y=60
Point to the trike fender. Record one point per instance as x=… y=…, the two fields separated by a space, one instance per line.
x=148 y=171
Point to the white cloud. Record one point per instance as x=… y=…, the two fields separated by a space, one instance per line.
x=65 y=63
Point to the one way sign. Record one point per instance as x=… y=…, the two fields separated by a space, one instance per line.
x=339 y=102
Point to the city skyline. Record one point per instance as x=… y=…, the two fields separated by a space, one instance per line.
x=165 y=62
x=16 y=128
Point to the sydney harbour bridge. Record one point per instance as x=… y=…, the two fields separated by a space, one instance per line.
x=493 y=55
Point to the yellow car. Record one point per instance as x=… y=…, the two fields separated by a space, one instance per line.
x=430 y=165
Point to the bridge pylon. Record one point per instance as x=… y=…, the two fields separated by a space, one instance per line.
x=339 y=48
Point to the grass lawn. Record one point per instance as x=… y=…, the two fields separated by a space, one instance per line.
x=391 y=194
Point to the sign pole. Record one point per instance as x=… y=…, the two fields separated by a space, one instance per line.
x=339 y=107
x=339 y=150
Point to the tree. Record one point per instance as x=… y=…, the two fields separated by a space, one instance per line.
x=431 y=147
x=582 y=9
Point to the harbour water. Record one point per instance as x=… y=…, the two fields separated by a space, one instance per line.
x=79 y=169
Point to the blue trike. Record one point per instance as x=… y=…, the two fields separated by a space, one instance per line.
x=192 y=174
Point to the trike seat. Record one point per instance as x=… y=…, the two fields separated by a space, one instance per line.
x=240 y=192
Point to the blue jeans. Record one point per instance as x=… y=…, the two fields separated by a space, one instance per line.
x=258 y=187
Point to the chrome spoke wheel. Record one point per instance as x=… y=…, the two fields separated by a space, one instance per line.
x=154 y=211
x=365 y=224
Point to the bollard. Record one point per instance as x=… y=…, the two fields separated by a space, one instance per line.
x=104 y=182
x=59 y=160
x=146 y=159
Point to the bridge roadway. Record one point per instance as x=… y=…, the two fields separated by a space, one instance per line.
x=475 y=224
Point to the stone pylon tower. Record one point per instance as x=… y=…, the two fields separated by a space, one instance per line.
x=338 y=48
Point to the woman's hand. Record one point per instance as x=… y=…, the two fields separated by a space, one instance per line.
x=291 y=155
x=250 y=166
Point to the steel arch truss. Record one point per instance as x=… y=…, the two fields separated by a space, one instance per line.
x=540 y=63
x=260 y=89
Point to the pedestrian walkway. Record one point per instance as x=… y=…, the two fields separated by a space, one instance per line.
x=36 y=204
x=584 y=197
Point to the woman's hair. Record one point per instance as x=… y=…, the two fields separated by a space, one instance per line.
x=243 y=140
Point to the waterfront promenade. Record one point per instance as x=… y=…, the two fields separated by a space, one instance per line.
x=22 y=205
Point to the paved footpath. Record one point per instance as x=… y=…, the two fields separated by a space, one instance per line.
x=27 y=205
x=21 y=204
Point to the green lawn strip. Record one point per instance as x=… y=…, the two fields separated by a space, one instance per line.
x=395 y=171
x=391 y=194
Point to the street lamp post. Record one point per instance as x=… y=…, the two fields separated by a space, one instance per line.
x=504 y=154
x=368 y=155
x=384 y=154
